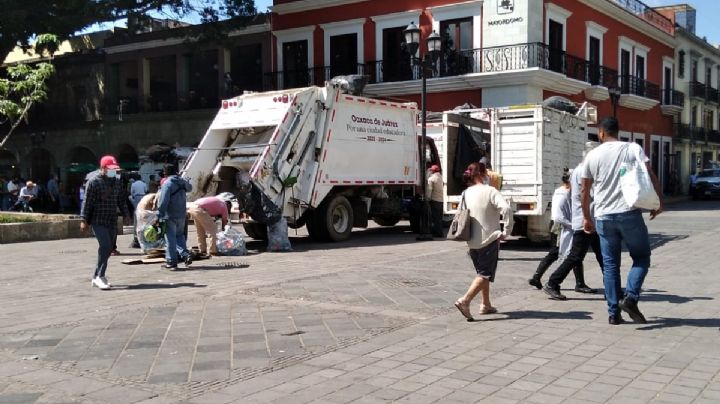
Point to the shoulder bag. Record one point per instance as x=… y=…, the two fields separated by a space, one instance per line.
x=635 y=183
x=460 y=226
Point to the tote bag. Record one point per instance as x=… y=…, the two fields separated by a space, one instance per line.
x=635 y=183
x=460 y=226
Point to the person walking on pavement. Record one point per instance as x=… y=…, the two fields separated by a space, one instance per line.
x=616 y=222
x=435 y=196
x=53 y=190
x=172 y=212
x=103 y=198
x=486 y=206
x=562 y=229
x=204 y=212
x=138 y=189
x=581 y=240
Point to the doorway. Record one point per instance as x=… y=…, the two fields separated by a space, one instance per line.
x=295 y=64
x=555 y=45
x=396 y=57
x=343 y=55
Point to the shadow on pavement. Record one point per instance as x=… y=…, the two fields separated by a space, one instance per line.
x=669 y=322
x=543 y=315
x=371 y=237
x=659 y=239
x=215 y=267
x=143 y=286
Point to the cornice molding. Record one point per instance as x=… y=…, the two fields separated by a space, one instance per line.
x=307 y=5
x=615 y=11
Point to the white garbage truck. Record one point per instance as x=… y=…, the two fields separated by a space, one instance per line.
x=316 y=156
x=529 y=146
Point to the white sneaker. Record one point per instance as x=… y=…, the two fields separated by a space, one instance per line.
x=100 y=284
x=104 y=279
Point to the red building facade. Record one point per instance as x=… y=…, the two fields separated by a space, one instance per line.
x=616 y=55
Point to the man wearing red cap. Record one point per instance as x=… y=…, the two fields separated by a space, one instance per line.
x=435 y=196
x=103 y=198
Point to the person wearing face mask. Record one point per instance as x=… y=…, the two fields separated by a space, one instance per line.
x=103 y=197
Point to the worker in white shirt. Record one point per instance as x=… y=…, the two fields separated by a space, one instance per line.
x=435 y=196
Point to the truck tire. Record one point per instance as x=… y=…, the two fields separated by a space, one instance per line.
x=334 y=221
x=258 y=231
x=387 y=220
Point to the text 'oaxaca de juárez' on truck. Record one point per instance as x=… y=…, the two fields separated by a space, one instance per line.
x=318 y=156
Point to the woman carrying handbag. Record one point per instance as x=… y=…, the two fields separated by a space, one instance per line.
x=485 y=207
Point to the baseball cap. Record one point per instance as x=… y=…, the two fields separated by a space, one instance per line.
x=109 y=162
x=435 y=168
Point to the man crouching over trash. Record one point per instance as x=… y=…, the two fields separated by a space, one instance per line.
x=204 y=212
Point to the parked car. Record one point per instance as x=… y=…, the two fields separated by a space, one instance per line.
x=707 y=184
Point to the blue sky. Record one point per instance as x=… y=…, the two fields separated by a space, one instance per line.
x=707 y=15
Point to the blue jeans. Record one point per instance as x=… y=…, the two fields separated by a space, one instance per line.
x=106 y=237
x=614 y=229
x=175 y=245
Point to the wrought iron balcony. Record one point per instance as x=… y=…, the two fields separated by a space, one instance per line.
x=711 y=94
x=697 y=89
x=713 y=136
x=673 y=97
x=309 y=77
x=637 y=86
x=646 y=13
x=602 y=76
x=689 y=132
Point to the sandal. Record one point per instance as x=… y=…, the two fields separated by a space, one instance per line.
x=488 y=310
x=464 y=309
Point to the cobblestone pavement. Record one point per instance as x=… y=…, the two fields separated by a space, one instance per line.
x=366 y=321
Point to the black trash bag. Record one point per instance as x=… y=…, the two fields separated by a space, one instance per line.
x=353 y=84
x=561 y=103
x=469 y=149
x=255 y=203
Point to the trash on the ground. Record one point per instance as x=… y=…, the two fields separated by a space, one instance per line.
x=278 y=239
x=230 y=242
x=144 y=218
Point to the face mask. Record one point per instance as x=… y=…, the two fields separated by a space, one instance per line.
x=111 y=173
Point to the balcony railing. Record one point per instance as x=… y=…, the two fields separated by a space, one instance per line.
x=711 y=94
x=637 y=86
x=689 y=132
x=645 y=12
x=713 y=136
x=309 y=77
x=697 y=89
x=696 y=134
x=673 y=97
x=486 y=60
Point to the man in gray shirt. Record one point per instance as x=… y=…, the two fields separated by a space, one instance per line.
x=581 y=241
x=617 y=222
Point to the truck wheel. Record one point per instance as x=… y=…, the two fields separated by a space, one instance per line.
x=335 y=220
x=258 y=231
x=386 y=220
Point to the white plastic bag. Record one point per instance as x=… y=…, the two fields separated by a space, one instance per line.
x=278 y=240
x=230 y=242
x=635 y=182
x=143 y=218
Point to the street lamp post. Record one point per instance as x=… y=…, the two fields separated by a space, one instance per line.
x=614 y=98
x=427 y=62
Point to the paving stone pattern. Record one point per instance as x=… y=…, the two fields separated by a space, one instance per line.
x=366 y=321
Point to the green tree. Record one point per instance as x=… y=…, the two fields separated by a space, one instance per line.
x=25 y=85
x=22 y=20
